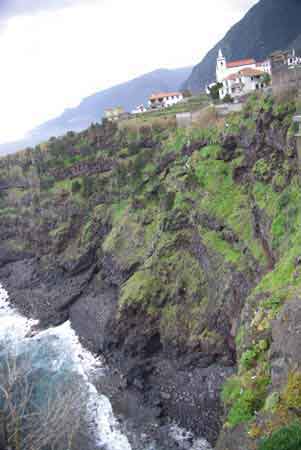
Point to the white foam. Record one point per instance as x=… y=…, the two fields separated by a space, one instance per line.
x=13 y=326
x=181 y=435
x=101 y=421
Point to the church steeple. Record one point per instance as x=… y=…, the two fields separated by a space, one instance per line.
x=221 y=66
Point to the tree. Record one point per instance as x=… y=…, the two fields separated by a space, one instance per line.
x=37 y=413
x=75 y=187
x=228 y=99
x=267 y=79
x=187 y=93
x=214 y=91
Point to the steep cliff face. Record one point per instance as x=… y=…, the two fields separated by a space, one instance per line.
x=175 y=253
x=273 y=25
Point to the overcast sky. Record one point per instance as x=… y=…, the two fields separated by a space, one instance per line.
x=55 y=52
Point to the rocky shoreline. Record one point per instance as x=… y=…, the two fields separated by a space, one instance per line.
x=149 y=392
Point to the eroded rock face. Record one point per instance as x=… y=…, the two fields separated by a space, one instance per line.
x=155 y=260
x=285 y=350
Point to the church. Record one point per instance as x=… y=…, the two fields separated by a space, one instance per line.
x=240 y=77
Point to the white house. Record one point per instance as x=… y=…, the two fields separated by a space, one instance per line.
x=139 y=110
x=164 y=99
x=265 y=66
x=240 y=77
x=243 y=82
x=113 y=114
x=293 y=60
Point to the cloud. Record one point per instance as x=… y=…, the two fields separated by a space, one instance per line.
x=11 y=8
x=242 y=4
x=53 y=55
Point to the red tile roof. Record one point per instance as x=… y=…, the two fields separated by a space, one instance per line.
x=242 y=62
x=232 y=77
x=247 y=72
x=250 y=72
x=164 y=94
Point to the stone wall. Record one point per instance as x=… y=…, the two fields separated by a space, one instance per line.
x=285 y=77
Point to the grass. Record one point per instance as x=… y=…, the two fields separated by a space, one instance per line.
x=244 y=395
x=214 y=241
x=224 y=199
x=9 y=212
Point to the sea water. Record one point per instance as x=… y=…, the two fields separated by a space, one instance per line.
x=57 y=358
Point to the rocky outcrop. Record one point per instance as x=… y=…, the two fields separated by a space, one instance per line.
x=86 y=168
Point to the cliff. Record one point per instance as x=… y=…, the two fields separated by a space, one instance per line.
x=176 y=254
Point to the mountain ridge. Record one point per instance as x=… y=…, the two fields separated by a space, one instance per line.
x=91 y=108
x=261 y=21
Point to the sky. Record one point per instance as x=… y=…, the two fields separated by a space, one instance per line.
x=56 y=52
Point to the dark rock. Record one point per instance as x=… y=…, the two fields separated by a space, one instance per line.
x=285 y=349
x=229 y=146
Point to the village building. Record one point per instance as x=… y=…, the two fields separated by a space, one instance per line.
x=164 y=99
x=243 y=82
x=286 y=70
x=265 y=66
x=113 y=114
x=240 y=77
x=139 y=110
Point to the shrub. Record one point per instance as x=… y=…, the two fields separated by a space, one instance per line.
x=228 y=99
x=267 y=79
x=292 y=394
x=187 y=93
x=88 y=186
x=214 y=91
x=286 y=438
x=244 y=408
x=284 y=200
x=248 y=358
x=47 y=183
x=231 y=390
x=75 y=187
x=261 y=169
x=272 y=402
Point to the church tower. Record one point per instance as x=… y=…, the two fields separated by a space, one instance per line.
x=221 y=67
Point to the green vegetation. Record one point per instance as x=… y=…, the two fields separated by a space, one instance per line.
x=286 y=438
x=292 y=393
x=244 y=396
x=76 y=187
x=261 y=169
x=214 y=91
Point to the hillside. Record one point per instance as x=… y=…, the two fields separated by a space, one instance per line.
x=270 y=25
x=91 y=109
x=176 y=254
